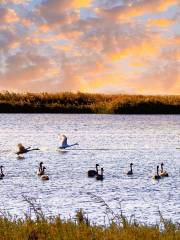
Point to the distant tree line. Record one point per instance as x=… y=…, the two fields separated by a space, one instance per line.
x=68 y=102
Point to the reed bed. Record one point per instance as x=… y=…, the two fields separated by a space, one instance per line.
x=54 y=228
x=80 y=228
x=68 y=102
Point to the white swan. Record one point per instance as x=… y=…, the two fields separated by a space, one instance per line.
x=22 y=149
x=64 y=142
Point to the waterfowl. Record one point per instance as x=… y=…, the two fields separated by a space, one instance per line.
x=162 y=172
x=156 y=177
x=64 y=143
x=42 y=172
x=100 y=176
x=22 y=149
x=44 y=177
x=1 y=173
x=130 y=172
x=93 y=173
x=41 y=169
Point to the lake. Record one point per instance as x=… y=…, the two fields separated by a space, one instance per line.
x=112 y=141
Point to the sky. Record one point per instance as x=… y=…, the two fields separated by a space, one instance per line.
x=96 y=46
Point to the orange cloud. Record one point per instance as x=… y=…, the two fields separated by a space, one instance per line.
x=8 y=16
x=81 y=3
x=126 y=12
x=44 y=28
x=61 y=12
x=58 y=47
x=161 y=22
x=39 y=40
x=63 y=47
x=108 y=82
x=26 y=22
x=137 y=63
x=11 y=16
x=145 y=48
x=23 y=69
x=14 y=45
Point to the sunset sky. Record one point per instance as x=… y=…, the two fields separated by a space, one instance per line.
x=105 y=46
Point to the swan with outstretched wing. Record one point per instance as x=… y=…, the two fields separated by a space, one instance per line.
x=64 y=143
x=22 y=149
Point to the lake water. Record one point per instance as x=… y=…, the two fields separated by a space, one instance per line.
x=113 y=141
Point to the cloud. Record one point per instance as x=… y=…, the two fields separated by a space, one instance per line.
x=165 y=80
x=14 y=1
x=59 y=12
x=24 y=69
x=91 y=46
x=8 y=15
x=8 y=39
x=161 y=22
x=135 y=9
x=146 y=47
x=162 y=73
x=81 y=3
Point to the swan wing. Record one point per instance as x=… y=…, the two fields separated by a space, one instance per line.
x=21 y=147
x=64 y=141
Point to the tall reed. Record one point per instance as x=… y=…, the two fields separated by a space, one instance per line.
x=80 y=228
x=68 y=102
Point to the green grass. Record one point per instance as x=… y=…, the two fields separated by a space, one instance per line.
x=68 y=102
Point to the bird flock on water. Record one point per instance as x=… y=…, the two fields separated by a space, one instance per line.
x=91 y=173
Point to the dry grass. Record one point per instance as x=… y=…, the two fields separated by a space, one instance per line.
x=68 y=102
x=53 y=228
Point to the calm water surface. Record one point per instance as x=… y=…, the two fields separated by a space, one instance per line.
x=145 y=140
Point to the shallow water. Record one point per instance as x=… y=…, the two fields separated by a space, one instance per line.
x=113 y=141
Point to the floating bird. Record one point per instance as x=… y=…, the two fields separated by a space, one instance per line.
x=44 y=177
x=1 y=173
x=41 y=169
x=41 y=172
x=100 y=176
x=64 y=143
x=156 y=177
x=93 y=173
x=22 y=149
x=162 y=172
x=130 y=172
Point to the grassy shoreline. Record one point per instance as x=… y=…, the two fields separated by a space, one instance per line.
x=53 y=228
x=68 y=102
x=119 y=227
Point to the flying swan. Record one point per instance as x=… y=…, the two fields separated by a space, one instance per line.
x=22 y=149
x=64 y=142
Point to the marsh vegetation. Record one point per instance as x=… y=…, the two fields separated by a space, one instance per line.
x=68 y=102
x=40 y=227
